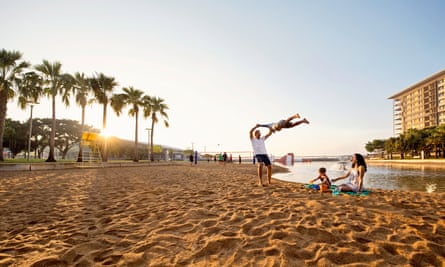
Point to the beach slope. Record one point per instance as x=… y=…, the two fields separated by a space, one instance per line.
x=208 y=215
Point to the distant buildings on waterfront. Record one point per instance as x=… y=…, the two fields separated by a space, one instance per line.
x=421 y=105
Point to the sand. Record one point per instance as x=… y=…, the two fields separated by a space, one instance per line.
x=434 y=164
x=208 y=215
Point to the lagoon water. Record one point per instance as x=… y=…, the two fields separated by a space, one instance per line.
x=408 y=178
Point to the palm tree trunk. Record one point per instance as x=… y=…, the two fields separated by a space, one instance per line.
x=104 y=127
x=80 y=155
x=136 y=152
x=443 y=152
x=3 y=108
x=52 y=138
x=35 y=148
x=151 y=139
x=435 y=151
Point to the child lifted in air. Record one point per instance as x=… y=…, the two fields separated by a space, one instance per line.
x=325 y=183
x=288 y=123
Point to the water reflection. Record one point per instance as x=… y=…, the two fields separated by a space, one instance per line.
x=393 y=177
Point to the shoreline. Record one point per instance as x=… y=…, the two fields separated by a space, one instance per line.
x=6 y=167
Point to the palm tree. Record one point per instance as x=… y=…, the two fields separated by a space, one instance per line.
x=10 y=70
x=56 y=83
x=81 y=90
x=132 y=98
x=30 y=89
x=103 y=87
x=153 y=108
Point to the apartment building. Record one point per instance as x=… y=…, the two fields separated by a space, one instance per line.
x=421 y=105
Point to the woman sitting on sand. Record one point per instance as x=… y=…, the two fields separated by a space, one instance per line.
x=355 y=174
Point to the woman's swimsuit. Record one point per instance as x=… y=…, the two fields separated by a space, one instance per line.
x=353 y=180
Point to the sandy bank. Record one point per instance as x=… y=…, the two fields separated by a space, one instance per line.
x=208 y=215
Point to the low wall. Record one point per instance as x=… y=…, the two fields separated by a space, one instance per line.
x=36 y=166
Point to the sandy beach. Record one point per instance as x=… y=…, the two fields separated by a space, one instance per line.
x=208 y=215
x=438 y=164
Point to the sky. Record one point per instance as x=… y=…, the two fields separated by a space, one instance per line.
x=224 y=66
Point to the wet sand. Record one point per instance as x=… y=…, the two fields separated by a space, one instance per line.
x=208 y=215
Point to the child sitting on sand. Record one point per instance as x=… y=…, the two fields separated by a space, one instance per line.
x=325 y=183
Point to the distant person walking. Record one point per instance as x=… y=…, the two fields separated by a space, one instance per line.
x=191 y=159
x=259 y=149
x=224 y=158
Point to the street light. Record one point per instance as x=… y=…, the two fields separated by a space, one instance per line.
x=30 y=126
x=148 y=143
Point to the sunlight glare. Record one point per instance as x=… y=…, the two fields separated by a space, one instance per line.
x=105 y=133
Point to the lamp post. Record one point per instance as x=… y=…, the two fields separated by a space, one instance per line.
x=148 y=143
x=30 y=127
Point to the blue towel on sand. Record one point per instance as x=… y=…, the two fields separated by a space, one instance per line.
x=336 y=192
x=312 y=186
x=316 y=186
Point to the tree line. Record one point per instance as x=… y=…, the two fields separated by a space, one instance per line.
x=26 y=83
x=68 y=136
x=67 y=139
x=430 y=141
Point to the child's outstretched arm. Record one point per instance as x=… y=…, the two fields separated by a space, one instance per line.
x=313 y=180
